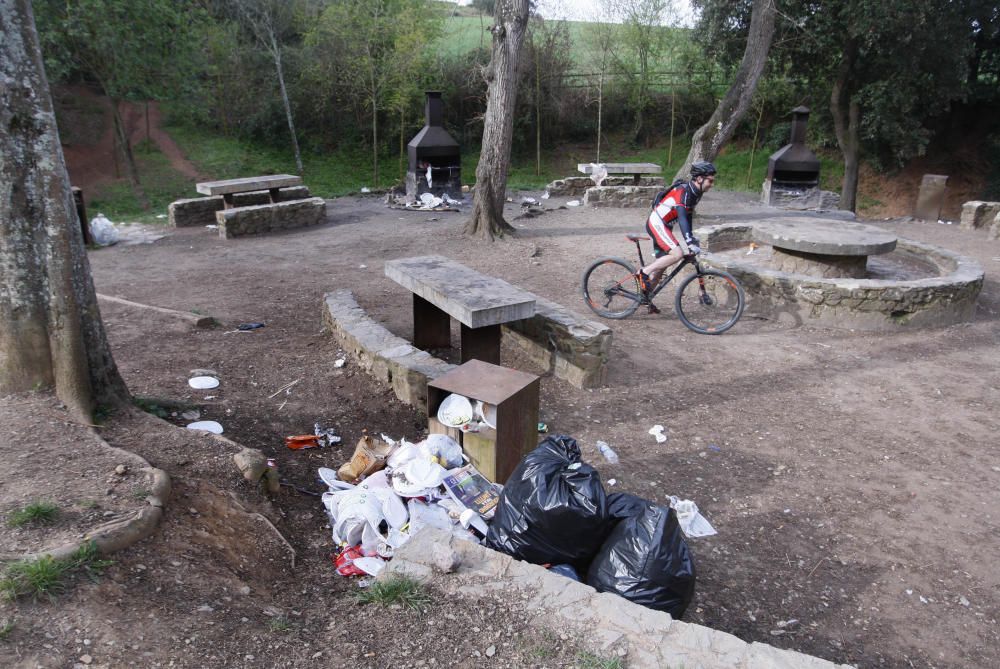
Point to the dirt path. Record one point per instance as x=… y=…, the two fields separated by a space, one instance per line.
x=89 y=147
x=853 y=477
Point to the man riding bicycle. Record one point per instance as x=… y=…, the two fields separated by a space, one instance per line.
x=675 y=206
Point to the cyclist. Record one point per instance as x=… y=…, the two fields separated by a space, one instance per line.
x=675 y=205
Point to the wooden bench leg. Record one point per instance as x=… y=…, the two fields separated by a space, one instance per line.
x=481 y=343
x=431 y=326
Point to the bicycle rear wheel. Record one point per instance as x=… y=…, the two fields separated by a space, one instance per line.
x=710 y=302
x=610 y=288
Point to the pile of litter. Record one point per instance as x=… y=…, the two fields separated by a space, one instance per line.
x=553 y=511
x=390 y=489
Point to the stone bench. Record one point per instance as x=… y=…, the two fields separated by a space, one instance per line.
x=979 y=214
x=385 y=356
x=257 y=219
x=640 y=197
x=574 y=348
x=577 y=186
x=201 y=210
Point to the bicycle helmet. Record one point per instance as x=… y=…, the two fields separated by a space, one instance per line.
x=702 y=169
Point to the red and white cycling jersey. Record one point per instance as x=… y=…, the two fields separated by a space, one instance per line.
x=677 y=206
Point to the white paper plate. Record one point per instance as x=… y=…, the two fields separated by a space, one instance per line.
x=455 y=410
x=203 y=382
x=206 y=425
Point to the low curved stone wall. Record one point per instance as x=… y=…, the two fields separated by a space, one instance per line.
x=576 y=349
x=577 y=186
x=261 y=218
x=382 y=354
x=861 y=304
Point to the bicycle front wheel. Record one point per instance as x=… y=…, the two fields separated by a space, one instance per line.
x=710 y=302
x=610 y=288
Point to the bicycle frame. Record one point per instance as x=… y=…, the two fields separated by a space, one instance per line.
x=685 y=261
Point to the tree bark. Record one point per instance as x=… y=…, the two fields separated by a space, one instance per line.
x=487 y=219
x=276 y=54
x=846 y=119
x=125 y=145
x=51 y=332
x=709 y=138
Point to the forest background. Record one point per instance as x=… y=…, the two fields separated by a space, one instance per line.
x=334 y=89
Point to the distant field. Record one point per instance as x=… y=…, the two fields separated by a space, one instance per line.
x=462 y=34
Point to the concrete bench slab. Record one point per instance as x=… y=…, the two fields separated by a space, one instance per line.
x=621 y=168
x=244 y=184
x=474 y=299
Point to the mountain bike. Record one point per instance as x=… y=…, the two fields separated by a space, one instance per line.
x=708 y=301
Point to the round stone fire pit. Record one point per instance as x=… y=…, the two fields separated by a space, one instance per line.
x=843 y=274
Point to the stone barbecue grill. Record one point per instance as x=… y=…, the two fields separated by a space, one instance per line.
x=434 y=156
x=794 y=168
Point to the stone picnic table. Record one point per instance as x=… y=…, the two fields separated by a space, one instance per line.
x=226 y=188
x=444 y=289
x=823 y=248
x=635 y=169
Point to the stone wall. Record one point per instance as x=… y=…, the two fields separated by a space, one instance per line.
x=574 y=348
x=862 y=304
x=385 y=356
x=577 y=186
x=978 y=214
x=261 y=218
x=201 y=210
x=608 y=625
x=994 y=231
x=640 y=197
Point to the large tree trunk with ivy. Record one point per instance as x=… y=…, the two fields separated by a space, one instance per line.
x=846 y=120
x=498 y=124
x=51 y=332
x=709 y=138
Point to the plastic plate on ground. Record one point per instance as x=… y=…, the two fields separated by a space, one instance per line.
x=206 y=425
x=203 y=382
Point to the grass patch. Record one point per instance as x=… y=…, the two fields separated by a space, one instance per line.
x=395 y=590
x=36 y=513
x=279 y=624
x=149 y=406
x=588 y=660
x=46 y=576
x=161 y=183
x=6 y=628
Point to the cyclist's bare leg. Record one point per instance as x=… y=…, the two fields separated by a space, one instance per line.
x=655 y=269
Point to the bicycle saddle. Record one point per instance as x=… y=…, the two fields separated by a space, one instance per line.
x=635 y=238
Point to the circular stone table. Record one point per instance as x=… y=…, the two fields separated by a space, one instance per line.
x=821 y=247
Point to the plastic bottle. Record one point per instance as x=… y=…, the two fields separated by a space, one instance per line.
x=607 y=452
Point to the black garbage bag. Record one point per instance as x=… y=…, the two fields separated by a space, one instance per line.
x=646 y=560
x=622 y=505
x=553 y=508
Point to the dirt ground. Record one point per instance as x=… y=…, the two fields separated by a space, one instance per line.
x=852 y=477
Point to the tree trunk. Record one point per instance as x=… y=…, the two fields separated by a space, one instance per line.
x=276 y=54
x=709 y=138
x=846 y=119
x=129 y=158
x=498 y=124
x=51 y=333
